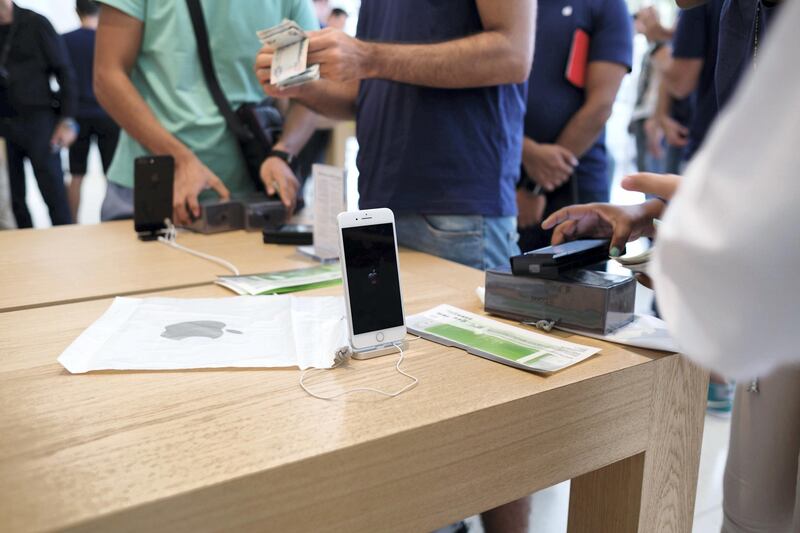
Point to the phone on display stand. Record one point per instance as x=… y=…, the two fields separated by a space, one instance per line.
x=371 y=275
x=153 y=178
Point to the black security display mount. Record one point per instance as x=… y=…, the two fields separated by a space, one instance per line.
x=297 y=234
x=553 y=261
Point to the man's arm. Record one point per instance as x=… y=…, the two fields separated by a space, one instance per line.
x=551 y=165
x=502 y=53
x=676 y=133
x=603 y=79
x=59 y=64
x=688 y=4
x=336 y=100
x=119 y=38
x=298 y=127
x=682 y=76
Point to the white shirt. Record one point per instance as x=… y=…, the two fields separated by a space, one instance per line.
x=727 y=258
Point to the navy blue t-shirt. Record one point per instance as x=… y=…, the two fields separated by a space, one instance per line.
x=552 y=100
x=737 y=42
x=80 y=47
x=696 y=37
x=435 y=151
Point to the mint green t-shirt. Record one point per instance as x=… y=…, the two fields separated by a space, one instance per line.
x=169 y=77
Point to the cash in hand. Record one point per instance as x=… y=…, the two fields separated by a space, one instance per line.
x=636 y=263
x=289 y=64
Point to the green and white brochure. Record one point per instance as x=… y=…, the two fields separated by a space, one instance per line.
x=500 y=342
x=285 y=281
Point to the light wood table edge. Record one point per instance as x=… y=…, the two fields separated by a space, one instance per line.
x=618 y=440
x=653 y=491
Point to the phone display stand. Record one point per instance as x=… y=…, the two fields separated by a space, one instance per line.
x=146 y=236
x=378 y=351
x=324 y=258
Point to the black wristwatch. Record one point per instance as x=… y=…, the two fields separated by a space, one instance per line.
x=286 y=157
x=527 y=184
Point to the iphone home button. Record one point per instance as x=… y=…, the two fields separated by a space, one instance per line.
x=379 y=337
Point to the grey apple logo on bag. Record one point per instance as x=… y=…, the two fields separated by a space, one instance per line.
x=210 y=329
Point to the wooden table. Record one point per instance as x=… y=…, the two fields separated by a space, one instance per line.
x=77 y=263
x=248 y=450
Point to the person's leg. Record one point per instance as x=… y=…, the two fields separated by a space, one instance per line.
x=118 y=203
x=107 y=134
x=78 y=159
x=720 y=396
x=47 y=167
x=673 y=160
x=74 y=195
x=509 y=518
x=760 y=483
x=16 y=179
x=500 y=241
x=457 y=238
x=472 y=240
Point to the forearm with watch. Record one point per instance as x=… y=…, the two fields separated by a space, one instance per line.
x=298 y=127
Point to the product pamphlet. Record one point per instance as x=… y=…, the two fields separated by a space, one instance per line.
x=283 y=282
x=497 y=341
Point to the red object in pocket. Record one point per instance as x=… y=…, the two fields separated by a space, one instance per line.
x=578 y=59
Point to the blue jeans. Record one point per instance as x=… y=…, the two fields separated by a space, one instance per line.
x=472 y=240
x=118 y=203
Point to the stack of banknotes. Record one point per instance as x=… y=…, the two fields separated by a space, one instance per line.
x=637 y=263
x=289 y=66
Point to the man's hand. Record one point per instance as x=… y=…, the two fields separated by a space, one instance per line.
x=263 y=69
x=654 y=136
x=278 y=177
x=648 y=22
x=530 y=208
x=549 y=165
x=340 y=57
x=676 y=133
x=619 y=223
x=63 y=136
x=661 y=185
x=191 y=178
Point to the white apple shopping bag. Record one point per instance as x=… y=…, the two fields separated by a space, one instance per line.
x=244 y=331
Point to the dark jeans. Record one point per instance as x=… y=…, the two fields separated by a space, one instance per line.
x=568 y=194
x=28 y=136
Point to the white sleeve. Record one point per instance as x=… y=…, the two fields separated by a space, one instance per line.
x=727 y=259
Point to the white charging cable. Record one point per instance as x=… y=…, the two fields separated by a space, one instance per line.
x=170 y=238
x=342 y=357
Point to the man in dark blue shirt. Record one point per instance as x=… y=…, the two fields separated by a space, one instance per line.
x=93 y=121
x=691 y=70
x=438 y=92
x=564 y=153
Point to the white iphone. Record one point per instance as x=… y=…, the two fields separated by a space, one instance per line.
x=371 y=274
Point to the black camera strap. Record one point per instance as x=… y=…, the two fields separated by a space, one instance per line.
x=207 y=64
